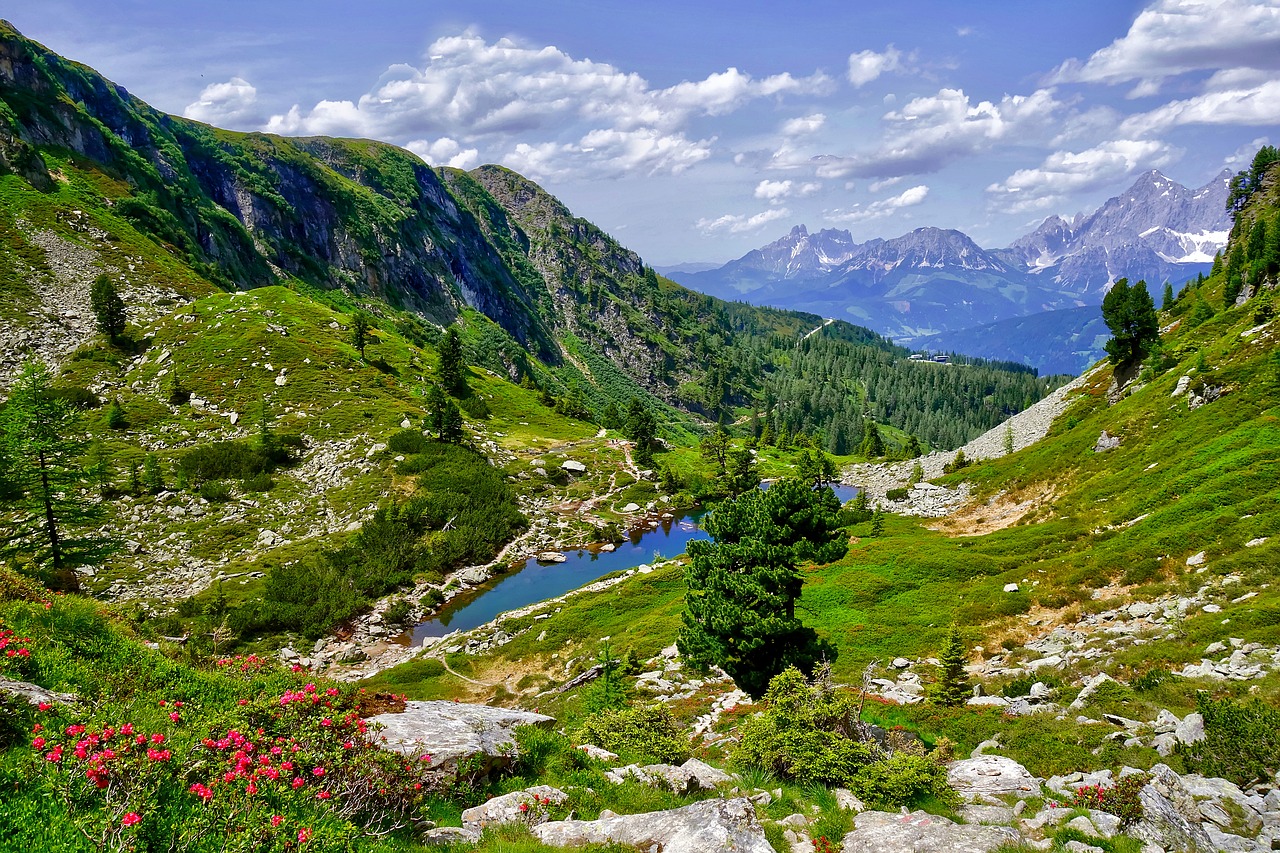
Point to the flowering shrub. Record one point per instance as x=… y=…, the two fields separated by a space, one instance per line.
x=14 y=654
x=286 y=770
x=822 y=844
x=1123 y=800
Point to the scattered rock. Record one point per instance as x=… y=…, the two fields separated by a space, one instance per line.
x=551 y=557
x=1106 y=441
x=921 y=832
x=33 y=694
x=991 y=775
x=722 y=825
x=573 y=466
x=507 y=808
x=453 y=731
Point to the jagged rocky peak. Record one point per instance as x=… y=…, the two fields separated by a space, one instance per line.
x=803 y=255
x=930 y=248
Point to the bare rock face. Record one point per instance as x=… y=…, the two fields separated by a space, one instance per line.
x=451 y=732
x=689 y=777
x=991 y=776
x=728 y=826
x=1166 y=802
x=921 y=832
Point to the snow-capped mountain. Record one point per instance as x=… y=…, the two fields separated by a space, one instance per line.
x=1157 y=230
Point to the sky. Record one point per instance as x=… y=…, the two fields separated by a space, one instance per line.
x=696 y=131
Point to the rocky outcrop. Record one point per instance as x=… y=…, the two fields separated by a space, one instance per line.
x=989 y=776
x=528 y=806
x=688 y=778
x=451 y=732
x=729 y=826
x=33 y=694
x=921 y=832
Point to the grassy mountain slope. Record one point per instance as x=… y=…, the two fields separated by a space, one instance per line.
x=1078 y=531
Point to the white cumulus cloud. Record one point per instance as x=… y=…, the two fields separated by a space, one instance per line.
x=881 y=209
x=1173 y=37
x=867 y=65
x=445 y=152
x=541 y=109
x=738 y=223
x=1254 y=107
x=928 y=133
x=1064 y=173
x=229 y=104
x=804 y=124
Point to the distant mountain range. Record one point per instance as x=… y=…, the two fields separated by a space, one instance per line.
x=928 y=286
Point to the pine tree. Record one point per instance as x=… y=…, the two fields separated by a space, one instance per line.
x=1166 y=301
x=115 y=418
x=108 y=307
x=642 y=428
x=877 y=522
x=1130 y=314
x=743 y=585
x=743 y=476
x=38 y=432
x=715 y=448
x=953 y=686
x=872 y=444
x=451 y=428
x=153 y=474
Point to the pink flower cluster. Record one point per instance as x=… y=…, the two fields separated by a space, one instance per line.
x=12 y=645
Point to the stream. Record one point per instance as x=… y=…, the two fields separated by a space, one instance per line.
x=530 y=582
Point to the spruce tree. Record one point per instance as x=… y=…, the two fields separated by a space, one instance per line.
x=953 y=686
x=1130 y=314
x=108 y=307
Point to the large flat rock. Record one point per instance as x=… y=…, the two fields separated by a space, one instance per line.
x=991 y=776
x=451 y=732
x=725 y=826
x=921 y=832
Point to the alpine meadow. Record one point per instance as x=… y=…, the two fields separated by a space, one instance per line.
x=356 y=496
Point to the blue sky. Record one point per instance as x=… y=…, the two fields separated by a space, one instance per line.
x=698 y=130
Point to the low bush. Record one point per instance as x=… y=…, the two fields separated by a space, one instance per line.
x=408 y=441
x=258 y=483
x=215 y=491
x=808 y=732
x=1122 y=800
x=897 y=494
x=1241 y=740
x=637 y=733
x=234 y=460
x=903 y=779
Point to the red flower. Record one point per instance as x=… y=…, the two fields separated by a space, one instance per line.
x=276 y=820
x=131 y=818
x=304 y=835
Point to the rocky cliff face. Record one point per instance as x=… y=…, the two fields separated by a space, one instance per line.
x=248 y=210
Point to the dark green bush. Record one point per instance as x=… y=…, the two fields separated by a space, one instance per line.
x=897 y=494
x=408 y=441
x=475 y=406
x=1123 y=800
x=215 y=491
x=637 y=733
x=903 y=779
x=231 y=460
x=1241 y=742
x=398 y=612
x=258 y=483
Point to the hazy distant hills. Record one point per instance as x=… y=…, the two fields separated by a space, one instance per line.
x=932 y=284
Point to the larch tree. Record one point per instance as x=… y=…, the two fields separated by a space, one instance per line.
x=108 y=307
x=46 y=480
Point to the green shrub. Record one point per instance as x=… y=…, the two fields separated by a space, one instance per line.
x=215 y=491
x=408 y=441
x=258 y=483
x=398 y=612
x=1123 y=800
x=1241 y=740
x=903 y=779
x=640 y=733
x=807 y=732
x=229 y=460
x=475 y=406
x=897 y=494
